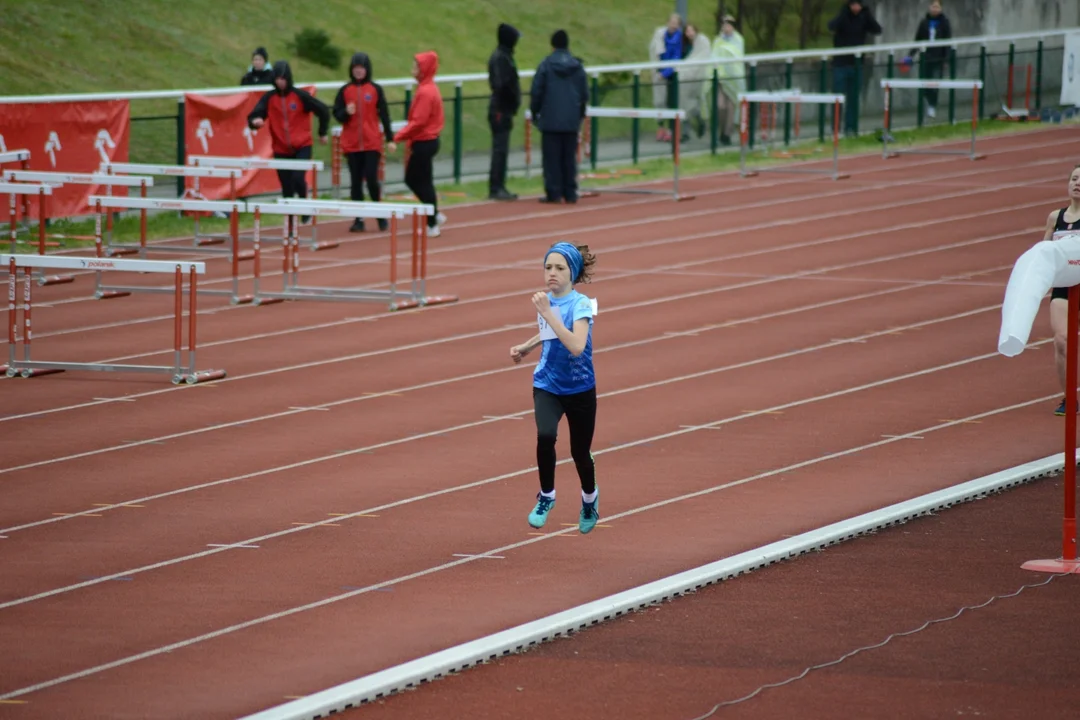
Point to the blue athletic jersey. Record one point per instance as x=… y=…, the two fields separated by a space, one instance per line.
x=559 y=372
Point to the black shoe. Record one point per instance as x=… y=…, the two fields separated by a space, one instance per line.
x=549 y=201
x=384 y=224
x=357 y=225
x=502 y=194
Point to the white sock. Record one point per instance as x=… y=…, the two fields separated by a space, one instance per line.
x=589 y=497
x=549 y=497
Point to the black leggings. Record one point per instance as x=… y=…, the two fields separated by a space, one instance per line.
x=364 y=167
x=580 y=411
x=419 y=174
x=294 y=182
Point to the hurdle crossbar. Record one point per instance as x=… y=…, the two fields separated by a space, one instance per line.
x=887 y=86
x=788 y=97
x=25 y=366
x=14 y=156
x=230 y=208
x=26 y=190
x=256 y=162
x=639 y=113
x=397 y=298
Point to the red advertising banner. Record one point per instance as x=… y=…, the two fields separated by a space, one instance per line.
x=217 y=125
x=73 y=137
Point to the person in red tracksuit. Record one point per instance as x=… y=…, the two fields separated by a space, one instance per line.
x=288 y=110
x=422 y=133
x=360 y=107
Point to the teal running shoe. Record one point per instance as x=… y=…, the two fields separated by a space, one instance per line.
x=539 y=515
x=590 y=514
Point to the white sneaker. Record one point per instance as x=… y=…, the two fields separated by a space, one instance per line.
x=931 y=111
x=433 y=232
x=440 y=219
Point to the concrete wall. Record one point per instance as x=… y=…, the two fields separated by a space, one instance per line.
x=900 y=18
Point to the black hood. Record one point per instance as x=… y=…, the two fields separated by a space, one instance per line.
x=363 y=60
x=563 y=63
x=508 y=36
x=282 y=69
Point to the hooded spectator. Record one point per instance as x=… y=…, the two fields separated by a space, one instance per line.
x=505 y=102
x=259 y=72
x=560 y=96
x=425 y=122
x=851 y=27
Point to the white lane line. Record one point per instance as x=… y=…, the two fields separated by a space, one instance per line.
x=232 y=545
x=479 y=483
x=480 y=557
x=483 y=374
x=264 y=619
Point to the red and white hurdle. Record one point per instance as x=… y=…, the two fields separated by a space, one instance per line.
x=889 y=84
x=397 y=299
x=26 y=366
x=26 y=191
x=788 y=97
x=230 y=208
x=261 y=163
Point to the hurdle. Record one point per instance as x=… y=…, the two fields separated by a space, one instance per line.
x=887 y=85
x=28 y=367
x=60 y=179
x=23 y=158
x=261 y=163
x=397 y=298
x=336 y=156
x=630 y=114
x=199 y=241
x=26 y=190
x=232 y=208
x=788 y=97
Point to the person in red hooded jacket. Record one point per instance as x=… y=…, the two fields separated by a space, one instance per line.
x=425 y=122
x=360 y=107
x=288 y=110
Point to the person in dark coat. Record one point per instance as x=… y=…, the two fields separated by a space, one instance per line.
x=505 y=102
x=850 y=28
x=287 y=110
x=260 y=72
x=935 y=26
x=360 y=107
x=559 y=98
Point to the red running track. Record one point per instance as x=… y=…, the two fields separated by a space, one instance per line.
x=773 y=356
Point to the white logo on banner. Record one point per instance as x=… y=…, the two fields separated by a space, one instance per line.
x=104 y=140
x=3 y=147
x=249 y=135
x=204 y=130
x=51 y=146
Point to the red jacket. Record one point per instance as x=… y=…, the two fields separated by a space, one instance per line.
x=360 y=131
x=426 y=114
x=288 y=114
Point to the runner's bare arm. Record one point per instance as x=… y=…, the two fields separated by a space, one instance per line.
x=1051 y=222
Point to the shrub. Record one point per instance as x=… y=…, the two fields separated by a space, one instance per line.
x=315 y=45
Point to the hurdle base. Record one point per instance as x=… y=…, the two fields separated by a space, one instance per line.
x=242 y=300
x=260 y=301
x=210 y=241
x=28 y=372
x=1057 y=567
x=122 y=251
x=978 y=157
x=198 y=377
x=55 y=280
x=245 y=255
x=110 y=294
x=684 y=198
x=324 y=245
x=424 y=302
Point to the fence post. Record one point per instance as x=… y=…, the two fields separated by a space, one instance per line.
x=457 y=133
x=751 y=86
x=952 y=93
x=714 y=121
x=1009 y=91
x=1038 y=75
x=787 y=106
x=594 y=129
x=635 y=124
x=982 y=77
x=823 y=87
x=857 y=91
x=408 y=100
x=181 y=153
x=920 y=92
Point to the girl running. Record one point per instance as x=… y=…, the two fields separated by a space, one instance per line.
x=563 y=381
x=1064 y=220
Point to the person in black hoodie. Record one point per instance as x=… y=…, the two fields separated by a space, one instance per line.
x=259 y=73
x=935 y=26
x=505 y=102
x=850 y=28
x=287 y=109
x=360 y=107
x=560 y=94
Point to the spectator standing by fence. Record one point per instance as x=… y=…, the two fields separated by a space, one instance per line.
x=729 y=44
x=850 y=28
x=693 y=88
x=668 y=43
x=505 y=102
x=425 y=123
x=560 y=93
x=360 y=107
x=934 y=26
x=288 y=111
x=258 y=72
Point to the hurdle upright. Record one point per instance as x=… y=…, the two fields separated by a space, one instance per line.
x=646 y=114
x=27 y=367
x=397 y=298
x=789 y=97
x=231 y=208
x=887 y=86
x=42 y=191
x=261 y=163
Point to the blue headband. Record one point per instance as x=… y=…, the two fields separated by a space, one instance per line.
x=572 y=255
